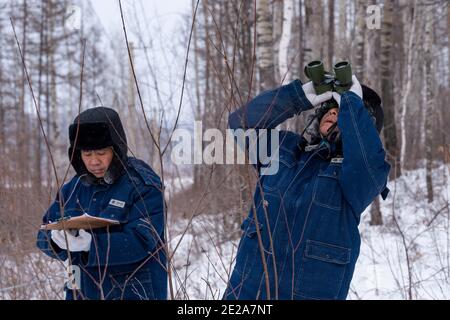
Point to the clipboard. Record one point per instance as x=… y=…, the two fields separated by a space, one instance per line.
x=85 y=221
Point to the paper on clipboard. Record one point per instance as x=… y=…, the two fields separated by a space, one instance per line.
x=84 y=221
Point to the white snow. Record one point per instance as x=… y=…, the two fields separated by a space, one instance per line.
x=31 y=276
x=382 y=271
x=205 y=256
x=203 y=261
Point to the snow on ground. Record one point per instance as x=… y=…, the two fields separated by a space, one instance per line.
x=177 y=184
x=31 y=276
x=382 y=270
x=204 y=257
x=203 y=261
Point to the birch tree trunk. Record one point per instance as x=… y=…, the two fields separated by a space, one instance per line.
x=407 y=85
x=342 y=31
x=297 y=42
x=360 y=35
x=301 y=53
x=284 y=63
x=277 y=13
x=264 y=27
x=314 y=31
x=330 y=49
x=308 y=53
x=318 y=31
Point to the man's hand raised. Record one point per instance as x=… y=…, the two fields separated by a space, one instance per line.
x=311 y=95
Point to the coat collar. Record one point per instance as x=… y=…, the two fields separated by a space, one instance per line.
x=114 y=172
x=324 y=149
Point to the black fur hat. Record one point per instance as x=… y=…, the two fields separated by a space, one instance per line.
x=94 y=129
x=372 y=101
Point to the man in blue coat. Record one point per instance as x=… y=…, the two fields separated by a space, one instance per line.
x=301 y=238
x=127 y=261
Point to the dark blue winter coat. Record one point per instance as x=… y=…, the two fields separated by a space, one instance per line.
x=308 y=213
x=130 y=258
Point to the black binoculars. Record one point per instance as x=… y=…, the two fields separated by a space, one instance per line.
x=340 y=81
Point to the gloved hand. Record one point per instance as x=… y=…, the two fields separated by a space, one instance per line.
x=82 y=242
x=311 y=95
x=356 y=88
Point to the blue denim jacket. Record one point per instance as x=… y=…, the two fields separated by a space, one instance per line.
x=304 y=222
x=129 y=261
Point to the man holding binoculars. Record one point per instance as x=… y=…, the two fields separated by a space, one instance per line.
x=301 y=239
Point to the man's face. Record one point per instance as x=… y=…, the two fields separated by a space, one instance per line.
x=328 y=120
x=97 y=161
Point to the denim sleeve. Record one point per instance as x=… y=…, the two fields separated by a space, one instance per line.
x=271 y=108
x=364 y=169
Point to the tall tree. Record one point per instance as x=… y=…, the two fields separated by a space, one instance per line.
x=313 y=46
x=38 y=140
x=131 y=102
x=285 y=64
x=358 y=63
x=448 y=38
x=300 y=41
x=387 y=89
x=2 y=99
x=265 y=58
x=407 y=82
x=330 y=45
x=22 y=130
x=343 y=53
x=277 y=13
x=430 y=102
x=198 y=95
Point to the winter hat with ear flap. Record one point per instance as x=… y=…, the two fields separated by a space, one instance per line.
x=94 y=129
x=372 y=102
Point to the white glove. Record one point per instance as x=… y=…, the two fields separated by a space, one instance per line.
x=82 y=242
x=311 y=95
x=356 y=88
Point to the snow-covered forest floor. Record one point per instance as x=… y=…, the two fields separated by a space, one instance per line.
x=411 y=260
x=406 y=258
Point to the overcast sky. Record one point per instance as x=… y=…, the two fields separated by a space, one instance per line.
x=167 y=12
x=161 y=23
